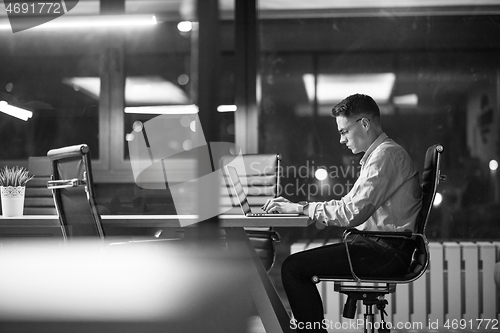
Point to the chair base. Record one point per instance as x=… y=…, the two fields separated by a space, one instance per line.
x=370 y=296
x=387 y=288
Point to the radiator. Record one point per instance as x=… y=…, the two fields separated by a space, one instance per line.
x=457 y=290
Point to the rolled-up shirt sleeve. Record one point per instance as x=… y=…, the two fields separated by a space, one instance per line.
x=381 y=175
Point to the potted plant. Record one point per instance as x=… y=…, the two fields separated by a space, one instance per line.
x=12 y=187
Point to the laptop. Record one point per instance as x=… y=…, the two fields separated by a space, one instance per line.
x=241 y=196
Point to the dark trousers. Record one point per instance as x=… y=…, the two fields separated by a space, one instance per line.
x=370 y=256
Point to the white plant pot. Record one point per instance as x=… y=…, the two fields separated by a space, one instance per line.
x=12 y=200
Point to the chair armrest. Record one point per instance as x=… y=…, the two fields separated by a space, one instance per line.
x=57 y=184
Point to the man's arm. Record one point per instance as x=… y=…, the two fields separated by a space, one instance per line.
x=382 y=175
x=380 y=178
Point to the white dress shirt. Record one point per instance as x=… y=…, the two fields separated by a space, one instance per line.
x=387 y=196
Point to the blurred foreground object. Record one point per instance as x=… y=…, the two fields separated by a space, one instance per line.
x=89 y=286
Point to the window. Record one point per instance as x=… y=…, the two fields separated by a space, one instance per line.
x=434 y=75
x=65 y=112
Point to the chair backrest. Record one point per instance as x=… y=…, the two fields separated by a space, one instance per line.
x=260 y=179
x=431 y=177
x=73 y=191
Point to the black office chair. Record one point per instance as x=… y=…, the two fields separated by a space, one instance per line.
x=74 y=195
x=73 y=192
x=374 y=292
x=261 y=181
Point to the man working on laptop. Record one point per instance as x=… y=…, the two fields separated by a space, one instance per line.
x=385 y=197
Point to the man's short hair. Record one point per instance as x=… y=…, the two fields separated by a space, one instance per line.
x=356 y=105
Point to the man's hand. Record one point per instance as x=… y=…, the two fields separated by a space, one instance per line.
x=281 y=205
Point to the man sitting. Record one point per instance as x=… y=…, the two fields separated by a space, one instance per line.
x=386 y=197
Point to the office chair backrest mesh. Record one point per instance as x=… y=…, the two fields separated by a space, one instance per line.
x=73 y=191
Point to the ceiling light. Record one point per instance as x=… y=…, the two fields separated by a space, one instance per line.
x=141 y=90
x=185 y=26
x=227 y=108
x=493 y=165
x=332 y=88
x=15 y=111
x=94 y=21
x=163 y=109
x=321 y=174
x=409 y=100
x=438 y=199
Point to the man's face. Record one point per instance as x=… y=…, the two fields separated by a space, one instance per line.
x=352 y=133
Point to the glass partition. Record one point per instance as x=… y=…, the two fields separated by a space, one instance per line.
x=433 y=71
x=61 y=92
x=154 y=85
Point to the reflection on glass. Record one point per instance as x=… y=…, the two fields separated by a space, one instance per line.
x=154 y=86
x=62 y=113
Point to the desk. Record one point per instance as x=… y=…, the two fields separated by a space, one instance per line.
x=161 y=221
x=225 y=221
x=266 y=299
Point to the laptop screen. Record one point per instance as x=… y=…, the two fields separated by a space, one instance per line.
x=238 y=191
